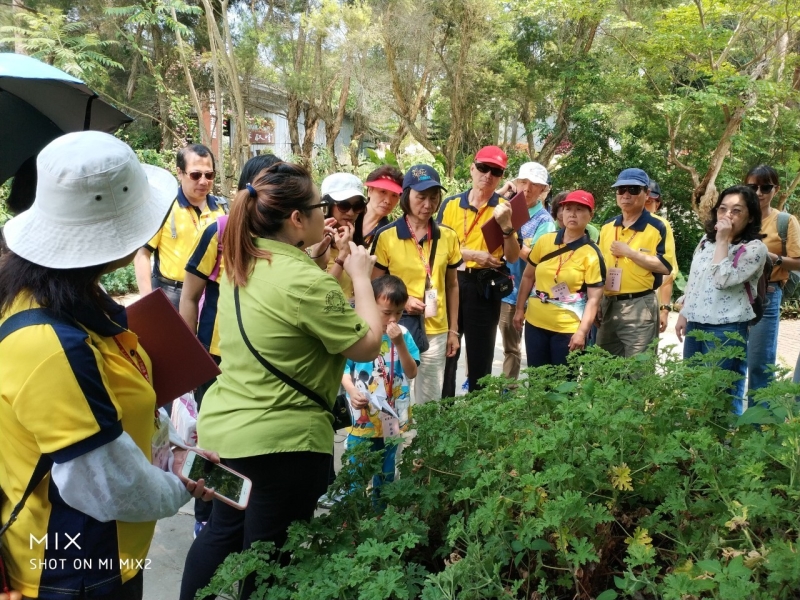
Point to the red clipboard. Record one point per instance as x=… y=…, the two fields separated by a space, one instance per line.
x=180 y=362
x=493 y=234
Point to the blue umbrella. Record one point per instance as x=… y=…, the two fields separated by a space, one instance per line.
x=38 y=103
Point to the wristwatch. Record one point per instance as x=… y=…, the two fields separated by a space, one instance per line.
x=665 y=307
x=508 y=233
x=778 y=261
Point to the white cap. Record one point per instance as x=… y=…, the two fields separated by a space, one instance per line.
x=95 y=203
x=342 y=186
x=533 y=172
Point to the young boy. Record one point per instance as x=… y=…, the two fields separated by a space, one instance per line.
x=372 y=386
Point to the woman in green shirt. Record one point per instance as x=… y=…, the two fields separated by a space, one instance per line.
x=297 y=318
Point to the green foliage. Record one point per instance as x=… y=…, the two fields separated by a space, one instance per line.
x=633 y=480
x=120 y=282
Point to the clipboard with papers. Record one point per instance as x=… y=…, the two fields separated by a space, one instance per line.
x=180 y=362
x=493 y=234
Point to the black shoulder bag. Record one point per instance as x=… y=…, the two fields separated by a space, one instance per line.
x=341 y=410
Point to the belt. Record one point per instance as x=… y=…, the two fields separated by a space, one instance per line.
x=473 y=270
x=169 y=282
x=620 y=297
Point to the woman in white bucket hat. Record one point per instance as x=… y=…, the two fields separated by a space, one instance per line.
x=78 y=414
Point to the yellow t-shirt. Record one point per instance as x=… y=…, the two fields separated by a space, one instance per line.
x=202 y=260
x=344 y=279
x=466 y=220
x=580 y=268
x=769 y=226
x=65 y=391
x=648 y=235
x=172 y=243
x=396 y=253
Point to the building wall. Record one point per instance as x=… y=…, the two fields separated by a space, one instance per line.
x=282 y=147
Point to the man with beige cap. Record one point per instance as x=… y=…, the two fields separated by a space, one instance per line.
x=533 y=182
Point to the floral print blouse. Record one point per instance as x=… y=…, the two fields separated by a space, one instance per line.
x=715 y=293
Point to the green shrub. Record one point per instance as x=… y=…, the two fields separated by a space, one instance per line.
x=120 y=282
x=620 y=483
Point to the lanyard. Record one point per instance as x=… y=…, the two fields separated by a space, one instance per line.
x=561 y=263
x=382 y=369
x=471 y=227
x=425 y=263
x=139 y=364
x=616 y=239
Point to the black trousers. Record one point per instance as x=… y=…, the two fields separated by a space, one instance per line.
x=478 y=318
x=133 y=589
x=286 y=487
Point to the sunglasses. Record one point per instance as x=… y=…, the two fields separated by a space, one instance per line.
x=633 y=190
x=495 y=171
x=196 y=175
x=764 y=189
x=358 y=206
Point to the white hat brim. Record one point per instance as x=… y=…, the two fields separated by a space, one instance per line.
x=341 y=195
x=36 y=237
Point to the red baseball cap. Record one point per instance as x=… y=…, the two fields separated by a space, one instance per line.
x=492 y=155
x=384 y=182
x=579 y=197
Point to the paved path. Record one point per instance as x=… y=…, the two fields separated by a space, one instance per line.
x=174 y=535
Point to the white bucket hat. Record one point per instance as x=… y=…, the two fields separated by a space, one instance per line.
x=95 y=203
x=342 y=186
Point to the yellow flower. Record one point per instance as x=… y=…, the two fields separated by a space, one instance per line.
x=640 y=538
x=621 y=477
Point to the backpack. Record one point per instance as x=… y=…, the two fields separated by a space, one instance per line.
x=792 y=286
x=758 y=300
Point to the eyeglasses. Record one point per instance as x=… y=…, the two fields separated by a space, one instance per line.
x=734 y=212
x=633 y=190
x=321 y=205
x=764 y=189
x=495 y=171
x=358 y=206
x=196 y=175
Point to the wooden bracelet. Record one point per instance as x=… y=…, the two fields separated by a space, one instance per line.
x=339 y=262
x=453 y=332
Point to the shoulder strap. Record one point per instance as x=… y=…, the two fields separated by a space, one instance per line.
x=221 y=222
x=434 y=243
x=568 y=248
x=27 y=318
x=269 y=366
x=783 y=229
x=739 y=251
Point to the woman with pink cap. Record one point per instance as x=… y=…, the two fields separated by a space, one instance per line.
x=566 y=273
x=384 y=186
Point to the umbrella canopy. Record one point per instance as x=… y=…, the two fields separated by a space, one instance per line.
x=38 y=103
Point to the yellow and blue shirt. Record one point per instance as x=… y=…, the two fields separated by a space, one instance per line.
x=580 y=268
x=202 y=260
x=466 y=220
x=66 y=390
x=648 y=235
x=396 y=253
x=172 y=243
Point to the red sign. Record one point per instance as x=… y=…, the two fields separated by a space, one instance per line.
x=262 y=136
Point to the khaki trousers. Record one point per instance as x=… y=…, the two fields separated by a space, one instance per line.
x=511 y=341
x=628 y=326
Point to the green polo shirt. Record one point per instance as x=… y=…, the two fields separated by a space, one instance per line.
x=296 y=317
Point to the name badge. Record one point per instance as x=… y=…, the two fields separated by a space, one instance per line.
x=560 y=291
x=614 y=279
x=431 y=302
x=391 y=426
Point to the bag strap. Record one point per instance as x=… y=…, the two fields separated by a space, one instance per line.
x=221 y=222
x=579 y=243
x=272 y=368
x=739 y=251
x=27 y=318
x=783 y=229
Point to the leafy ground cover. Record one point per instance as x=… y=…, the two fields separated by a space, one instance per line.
x=619 y=482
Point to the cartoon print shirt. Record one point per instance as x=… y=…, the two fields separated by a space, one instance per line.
x=372 y=379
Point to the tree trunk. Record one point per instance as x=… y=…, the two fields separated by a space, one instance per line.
x=133 y=78
x=310 y=122
x=205 y=135
x=17 y=6
x=167 y=139
x=526 y=121
x=293 y=117
x=398 y=137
